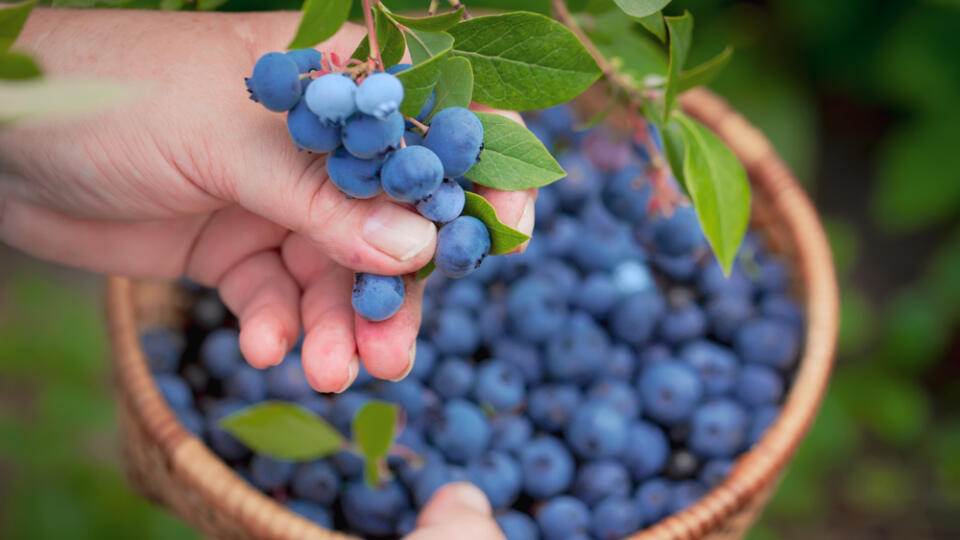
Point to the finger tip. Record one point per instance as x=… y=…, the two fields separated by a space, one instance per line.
x=263 y=341
x=330 y=363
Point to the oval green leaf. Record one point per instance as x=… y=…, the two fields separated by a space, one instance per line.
x=641 y=8
x=389 y=38
x=718 y=187
x=512 y=158
x=523 y=60
x=372 y=428
x=320 y=20
x=654 y=24
x=284 y=431
x=429 y=52
x=436 y=23
x=455 y=86
x=14 y=65
x=705 y=72
x=503 y=239
x=12 y=19
x=681 y=32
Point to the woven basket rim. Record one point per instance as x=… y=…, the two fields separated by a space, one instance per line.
x=755 y=470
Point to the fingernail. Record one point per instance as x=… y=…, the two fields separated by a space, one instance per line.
x=411 y=357
x=283 y=350
x=469 y=496
x=352 y=374
x=398 y=232
x=526 y=221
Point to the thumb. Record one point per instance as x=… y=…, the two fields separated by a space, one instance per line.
x=458 y=510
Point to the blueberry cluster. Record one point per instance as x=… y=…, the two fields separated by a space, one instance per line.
x=373 y=149
x=604 y=379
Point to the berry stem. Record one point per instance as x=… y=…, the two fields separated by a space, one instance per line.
x=372 y=32
x=418 y=124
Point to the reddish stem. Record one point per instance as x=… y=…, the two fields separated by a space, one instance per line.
x=371 y=32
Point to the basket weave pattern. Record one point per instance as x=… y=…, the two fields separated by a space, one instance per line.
x=169 y=466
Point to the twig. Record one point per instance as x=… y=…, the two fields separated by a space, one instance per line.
x=372 y=32
x=417 y=123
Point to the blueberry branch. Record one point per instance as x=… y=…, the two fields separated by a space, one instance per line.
x=420 y=125
x=372 y=32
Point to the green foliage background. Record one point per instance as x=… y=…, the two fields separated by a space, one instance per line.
x=860 y=97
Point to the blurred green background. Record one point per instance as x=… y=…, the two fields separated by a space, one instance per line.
x=861 y=98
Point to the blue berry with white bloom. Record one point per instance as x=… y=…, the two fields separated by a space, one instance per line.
x=332 y=98
x=379 y=95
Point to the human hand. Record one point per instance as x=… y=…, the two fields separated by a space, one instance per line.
x=457 y=510
x=196 y=180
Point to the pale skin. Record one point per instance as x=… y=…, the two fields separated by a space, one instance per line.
x=194 y=179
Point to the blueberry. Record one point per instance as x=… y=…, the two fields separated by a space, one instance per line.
x=718 y=429
x=309 y=133
x=634 y=318
x=582 y=182
x=523 y=356
x=499 y=477
x=411 y=174
x=563 y=234
x=535 y=309
x=425 y=360
x=683 y=323
x=444 y=204
x=577 y=352
x=462 y=432
x=162 y=348
x=678 y=234
x=377 y=298
x=685 y=494
x=366 y=136
x=762 y=419
x=306 y=59
x=412 y=138
x=712 y=282
x=221 y=442
x=627 y=194
x=725 y=314
x=597 y=295
x=287 y=380
x=606 y=149
x=453 y=378
x=247 y=383
x=220 y=353
x=646 y=450
x=653 y=499
x=547 y=467
x=597 y=480
x=456 y=135
x=434 y=476
x=269 y=474
x=489 y=270
x=563 y=517
x=379 y=95
x=347 y=464
x=557 y=119
x=454 y=332
x=715 y=471
x=355 y=177
x=317 y=481
x=408 y=394
x=653 y=354
x=681 y=465
x=191 y=421
x=345 y=407
x=175 y=391
x=605 y=242
x=546 y=206
x=618 y=393
x=562 y=275
x=597 y=430
x=510 y=432
x=614 y=518
x=462 y=245
x=772 y=276
x=492 y=319
x=500 y=385
x=767 y=341
x=669 y=391
x=542 y=132
x=621 y=363
x=317 y=404
x=407 y=523
x=782 y=307
x=717 y=365
x=364 y=377
x=680 y=268
x=332 y=98
x=759 y=385
x=551 y=406
x=373 y=510
x=466 y=293
x=517 y=526
x=275 y=82
x=428 y=105
x=311 y=511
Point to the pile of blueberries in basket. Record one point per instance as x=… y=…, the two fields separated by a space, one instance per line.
x=604 y=379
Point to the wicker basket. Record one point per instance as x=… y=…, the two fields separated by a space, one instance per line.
x=168 y=465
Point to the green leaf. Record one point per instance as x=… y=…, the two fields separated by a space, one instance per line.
x=320 y=20
x=523 y=60
x=674 y=149
x=635 y=54
x=718 y=187
x=654 y=24
x=512 y=158
x=705 y=72
x=681 y=32
x=210 y=5
x=503 y=239
x=436 y=23
x=371 y=473
x=389 y=38
x=12 y=19
x=373 y=428
x=171 y=5
x=15 y=65
x=455 y=86
x=44 y=98
x=641 y=8
x=429 y=52
x=427 y=269
x=284 y=431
